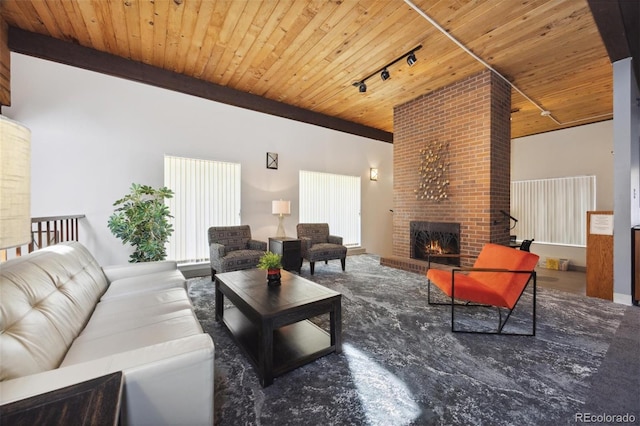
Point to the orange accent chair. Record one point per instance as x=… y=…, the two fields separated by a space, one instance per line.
x=498 y=278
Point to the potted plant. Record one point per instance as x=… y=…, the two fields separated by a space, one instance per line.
x=272 y=262
x=143 y=221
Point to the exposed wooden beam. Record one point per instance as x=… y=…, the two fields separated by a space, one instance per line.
x=618 y=22
x=68 y=53
x=5 y=65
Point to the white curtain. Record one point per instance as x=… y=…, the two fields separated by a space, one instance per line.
x=333 y=199
x=553 y=210
x=206 y=193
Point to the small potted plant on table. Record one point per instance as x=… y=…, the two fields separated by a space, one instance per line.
x=272 y=262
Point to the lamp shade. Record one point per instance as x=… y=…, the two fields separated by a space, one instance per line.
x=281 y=207
x=15 y=183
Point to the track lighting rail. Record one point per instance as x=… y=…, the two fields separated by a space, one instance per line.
x=384 y=71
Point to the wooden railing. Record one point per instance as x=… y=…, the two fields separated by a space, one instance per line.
x=47 y=231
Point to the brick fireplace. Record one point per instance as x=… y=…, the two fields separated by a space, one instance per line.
x=471 y=119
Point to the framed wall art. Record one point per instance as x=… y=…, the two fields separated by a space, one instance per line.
x=272 y=160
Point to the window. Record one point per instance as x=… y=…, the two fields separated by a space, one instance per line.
x=553 y=210
x=206 y=193
x=332 y=199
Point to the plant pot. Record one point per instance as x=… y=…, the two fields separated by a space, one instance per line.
x=273 y=277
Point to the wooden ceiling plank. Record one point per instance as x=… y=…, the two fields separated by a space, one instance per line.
x=309 y=46
x=261 y=65
x=116 y=26
x=248 y=71
x=236 y=51
x=78 y=32
x=21 y=13
x=174 y=24
x=103 y=15
x=147 y=23
x=94 y=29
x=266 y=21
x=530 y=37
x=133 y=22
x=281 y=20
x=160 y=24
x=338 y=70
x=220 y=57
x=187 y=27
x=293 y=23
x=62 y=20
x=203 y=20
x=47 y=17
x=205 y=56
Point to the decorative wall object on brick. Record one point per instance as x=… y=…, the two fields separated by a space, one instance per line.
x=434 y=172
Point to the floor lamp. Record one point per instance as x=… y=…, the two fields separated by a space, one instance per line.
x=280 y=208
x=15 y=184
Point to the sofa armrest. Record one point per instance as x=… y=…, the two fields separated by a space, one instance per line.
x=334 y=239
x=168 y=383
x=257 y=245
x=127 y=270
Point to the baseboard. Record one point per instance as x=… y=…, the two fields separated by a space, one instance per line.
x=356 y=250
x=622 y=299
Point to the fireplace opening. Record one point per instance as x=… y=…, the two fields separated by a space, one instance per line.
x=438 y=242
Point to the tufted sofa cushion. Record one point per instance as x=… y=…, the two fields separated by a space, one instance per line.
x=52 y=294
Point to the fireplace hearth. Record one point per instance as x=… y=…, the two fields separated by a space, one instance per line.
x=437 y=242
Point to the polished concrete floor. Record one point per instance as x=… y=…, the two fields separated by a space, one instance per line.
x=568 y=281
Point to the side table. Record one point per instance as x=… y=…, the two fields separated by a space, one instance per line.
x=290 y=249
x=94 y=402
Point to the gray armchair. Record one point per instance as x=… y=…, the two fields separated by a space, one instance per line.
x=318 y=245
x=232 y=249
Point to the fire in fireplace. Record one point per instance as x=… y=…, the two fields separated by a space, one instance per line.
x=435 y=241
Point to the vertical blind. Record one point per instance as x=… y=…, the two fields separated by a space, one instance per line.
x=553 y=210
x=206 y=193
x=333 y=199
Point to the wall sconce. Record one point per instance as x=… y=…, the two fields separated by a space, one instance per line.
x=15 y=184
x=384 y=71
x=280 y=208
x=373 y=173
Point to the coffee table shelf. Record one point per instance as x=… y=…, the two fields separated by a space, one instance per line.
x=293 y=345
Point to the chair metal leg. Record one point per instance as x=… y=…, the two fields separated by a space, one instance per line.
x=343 y=262
x=501 y=323
x=312 y=266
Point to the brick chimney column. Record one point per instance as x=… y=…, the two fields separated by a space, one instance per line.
x=472 y=118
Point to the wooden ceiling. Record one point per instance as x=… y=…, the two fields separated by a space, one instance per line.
x=307 y=53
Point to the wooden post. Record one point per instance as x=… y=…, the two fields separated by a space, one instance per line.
x=5 y=64
x=600 y=254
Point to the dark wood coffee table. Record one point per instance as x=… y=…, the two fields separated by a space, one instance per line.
x=271 y=324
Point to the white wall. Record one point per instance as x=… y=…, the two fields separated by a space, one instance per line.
x=578 y=151
x=93 y=135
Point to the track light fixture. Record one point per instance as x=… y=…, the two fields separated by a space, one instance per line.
x=411 y=59
x=384 y=71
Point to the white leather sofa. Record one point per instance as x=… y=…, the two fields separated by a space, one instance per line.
x=65 y=320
